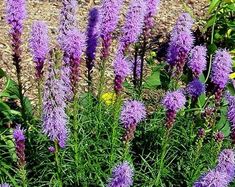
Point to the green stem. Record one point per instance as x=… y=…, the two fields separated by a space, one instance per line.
x=39 y=97
x=57 y=160
x=23 y=176
x=102 y=78
x=163 y=154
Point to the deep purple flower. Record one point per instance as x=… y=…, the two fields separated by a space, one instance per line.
x=201 y=133
x=221 y=68
x=67 y=18
x=134 y=23
x=227 y=164
x=92 y=35
x=132 y=113
x=183 y=23
x=121 y=71
x=213 y=178
x=152 y=7
x=195 y=88
x=5 y=185
x=39 y=45
x=19 y=138
x=219 y=136
x=51 y=149
x=73 y=46
x=231 y=110
x=174 y=101
x=54 y=117
x=121 y=176
x=138 y=67
x=15 y=14
x=197 y=62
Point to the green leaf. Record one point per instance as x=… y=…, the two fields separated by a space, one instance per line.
x=213 y=5
x=212 y=48
x=210 y=22
x=153 y=80
x=2 y=73
x=201 y=100
x=4 y=107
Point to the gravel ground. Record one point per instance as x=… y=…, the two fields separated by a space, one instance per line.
x=49 y=12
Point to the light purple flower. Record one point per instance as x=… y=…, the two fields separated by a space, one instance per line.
x=174 y=101
x=152 y=7
x=51 y=149
x=132 y=113
x=54 y=117
x=15 y=14
x=39 y=45
x=5 y=185
x=227 y=164
x=183 y=23
x=19 y=138
x=134 y=23
x=121 y=176
x=231 y=110
x=92 y=35
x=197 y=62
x=221 y=68
x=195 y=88
x=67 y=18
x=213 y=178
x=110 y=10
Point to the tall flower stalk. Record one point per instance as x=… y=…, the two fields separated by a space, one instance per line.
x=92 y=36
x=15 y=15
x=39 y=45
x=19 y=139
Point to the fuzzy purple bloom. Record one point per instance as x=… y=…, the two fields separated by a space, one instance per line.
x=138 y=67
x=92 y=37
x=67 y=18
x=227 y=164
x=174 y=101
x=51 y=149
x=121 y=176
x=221 y=68
x=213 y=178
x=197 y=62
x=54 y=117
x=110 y=10
x=132 y=113
x=231 y=110
x=152 y=7
x=183 y=23
x=134 y=23
x=195 y=88
x=5 y=185
x=19 y=138
x=39 y=45
x=15 y=14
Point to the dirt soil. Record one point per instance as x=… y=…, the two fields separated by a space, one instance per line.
x=49 y=12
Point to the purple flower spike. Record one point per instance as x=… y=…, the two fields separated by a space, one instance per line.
x=221 y=68
x=121 y=176
x=184 y=23
x=54 y=117
x=67 y=18
x=213 y=178
x=219 y=136
x=39 y=44
x=73 y=46
x=231 y=110
x=18 y=135
x=134 y=23
x=227 y=164
x=152 y=7
x=5 y=185
x=195 y=88
x=51 y=149
x=197 y=62
x=173 y=102
x=92 y=39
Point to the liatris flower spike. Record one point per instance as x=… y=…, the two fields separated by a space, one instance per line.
x=92 y=35
x=39 y=45
x=197 y=62
x=173 y=102
x=133 y=24
x=152 y=7
x=227 y=164
x=195 y=88
x=231 y=115
x=121 y=71
x=73 y=46
x=132 y=113
x=183 y=23
x=67 y=18
x=53 y=116
x=121 y=176
x=219 y=136
x=19 y=138
x=221 y=68
x=5 y=185
x=109 y=11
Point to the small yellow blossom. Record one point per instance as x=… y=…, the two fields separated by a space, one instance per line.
x=108 y=98
x=232 y=76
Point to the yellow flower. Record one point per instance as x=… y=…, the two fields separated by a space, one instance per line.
x=108 y=98
x=232 y=76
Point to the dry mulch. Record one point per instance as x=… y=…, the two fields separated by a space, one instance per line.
x=49 y=12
